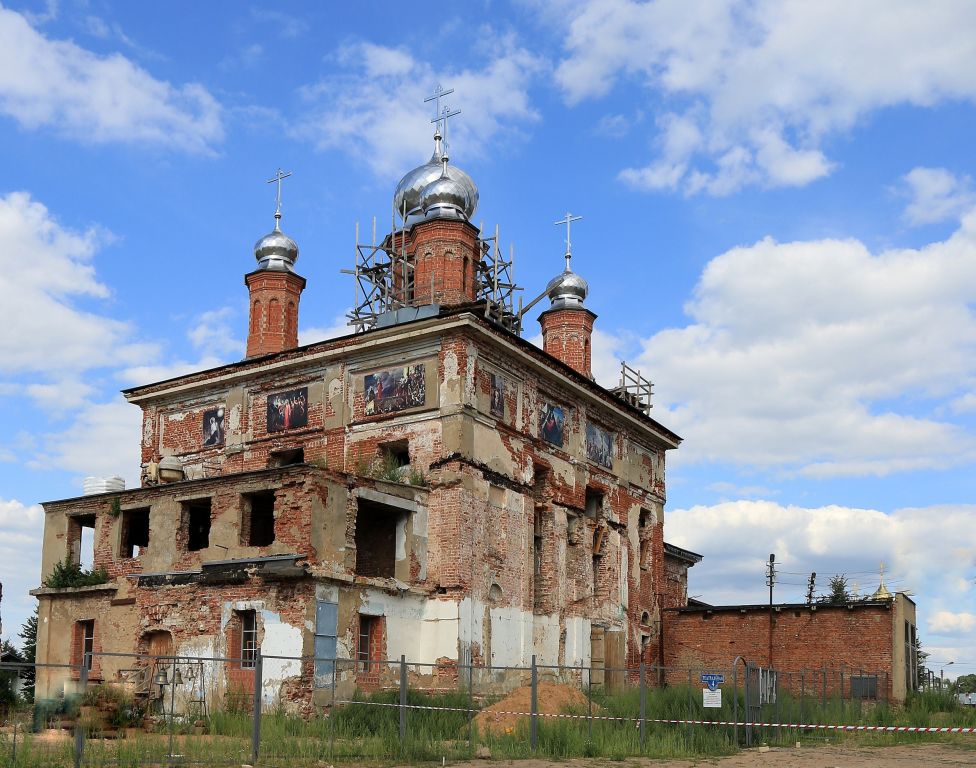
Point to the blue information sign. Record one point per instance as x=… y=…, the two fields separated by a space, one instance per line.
x=712 y=681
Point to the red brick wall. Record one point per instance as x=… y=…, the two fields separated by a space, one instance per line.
x=273 y=315
x=857 y=639
x=566 y=336
x=444 y=257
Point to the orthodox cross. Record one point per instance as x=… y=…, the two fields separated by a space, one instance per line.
x=569 y=245
x=445 y=113
x=277 y=180
x=436 y=98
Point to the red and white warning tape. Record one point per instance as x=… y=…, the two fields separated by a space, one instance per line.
x=636 y=720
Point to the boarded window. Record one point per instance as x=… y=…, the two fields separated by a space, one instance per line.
x=326 y=629
x=864 y=686
x=257 y=519
x=135 y=532
x=196 y=523
x=376 y=536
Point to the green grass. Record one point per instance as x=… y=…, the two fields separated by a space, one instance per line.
x=363 y=732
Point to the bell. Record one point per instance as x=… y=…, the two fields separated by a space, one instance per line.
x=177 y=677
x=160 y=678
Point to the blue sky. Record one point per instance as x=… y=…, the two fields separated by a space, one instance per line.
x=779 y=228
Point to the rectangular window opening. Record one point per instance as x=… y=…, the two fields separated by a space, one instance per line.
x=249 y=638
x=257 y=521
x=594 y=503
x=286 y=458
x=395 y=454
x=196 y=522
x=135 y=532
x=864 y=686
x=376 y=535
x=81 y=540
x=84 y=643
x=369 y=649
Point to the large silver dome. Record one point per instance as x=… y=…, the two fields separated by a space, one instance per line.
x=411 y=187
x=567 y=290
x=276 y=251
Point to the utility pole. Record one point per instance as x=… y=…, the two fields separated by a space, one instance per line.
x=810 y=585
x=770 y=581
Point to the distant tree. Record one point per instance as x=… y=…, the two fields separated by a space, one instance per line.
x=920 y=657
x=839 y=593
x=8 y=678
x=28 y=634
x=966 y=683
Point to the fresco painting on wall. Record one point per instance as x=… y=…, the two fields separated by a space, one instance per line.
x=552 y=419
x=213 y=427
x=599 y=445
x=497 y=387
x=288 y=410
x=395 y=389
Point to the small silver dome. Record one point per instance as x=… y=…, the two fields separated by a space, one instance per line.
x=276 y=250
x=567 y=290
x=445 y=198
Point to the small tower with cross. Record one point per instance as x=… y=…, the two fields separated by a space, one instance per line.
x=274 y=287
x=567 y=326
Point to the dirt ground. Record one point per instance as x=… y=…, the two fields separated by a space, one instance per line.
x=828 y=756
x=552 y=699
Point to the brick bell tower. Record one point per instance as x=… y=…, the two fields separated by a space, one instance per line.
x=436 y=202
x=567 y=326
x=275 y=290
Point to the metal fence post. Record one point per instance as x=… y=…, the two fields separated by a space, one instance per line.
x=534 y=728
x=589 y=703
x=471 y=702
x=79 y=726
x=643 y=702
x=332 y=711
x=403 y=699
x=735 y=701
x=691 y=704
x=258 y=685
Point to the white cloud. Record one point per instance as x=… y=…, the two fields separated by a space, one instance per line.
x=823 y=358
x=22 y=526
x=213 y=334
x=765 y=83
x=922 y=549
x=936 y=194
x=949 y=623
x=99 y=99
x=103 y=439
x=375 y=109
x=42 y=331
x=339 y=327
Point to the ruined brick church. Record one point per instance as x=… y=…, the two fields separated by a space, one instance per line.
x=431 y=485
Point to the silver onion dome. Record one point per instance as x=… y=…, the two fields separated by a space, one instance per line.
x=567 y=290
x=445 y=198
x=276 y=250
x=410 y=190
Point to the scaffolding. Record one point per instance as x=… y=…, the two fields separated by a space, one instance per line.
x=496 y=283
x=383 y=280
x=634 y=389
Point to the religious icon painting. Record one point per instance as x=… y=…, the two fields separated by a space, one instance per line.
x=396 y=389
x=496 y=386
x=213 y=427
x=552 y=420
x=599 y=445
x=288 y=410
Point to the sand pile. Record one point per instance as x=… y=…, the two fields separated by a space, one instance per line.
x=553 y=699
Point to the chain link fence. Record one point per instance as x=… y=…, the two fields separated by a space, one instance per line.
x=141 y=709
